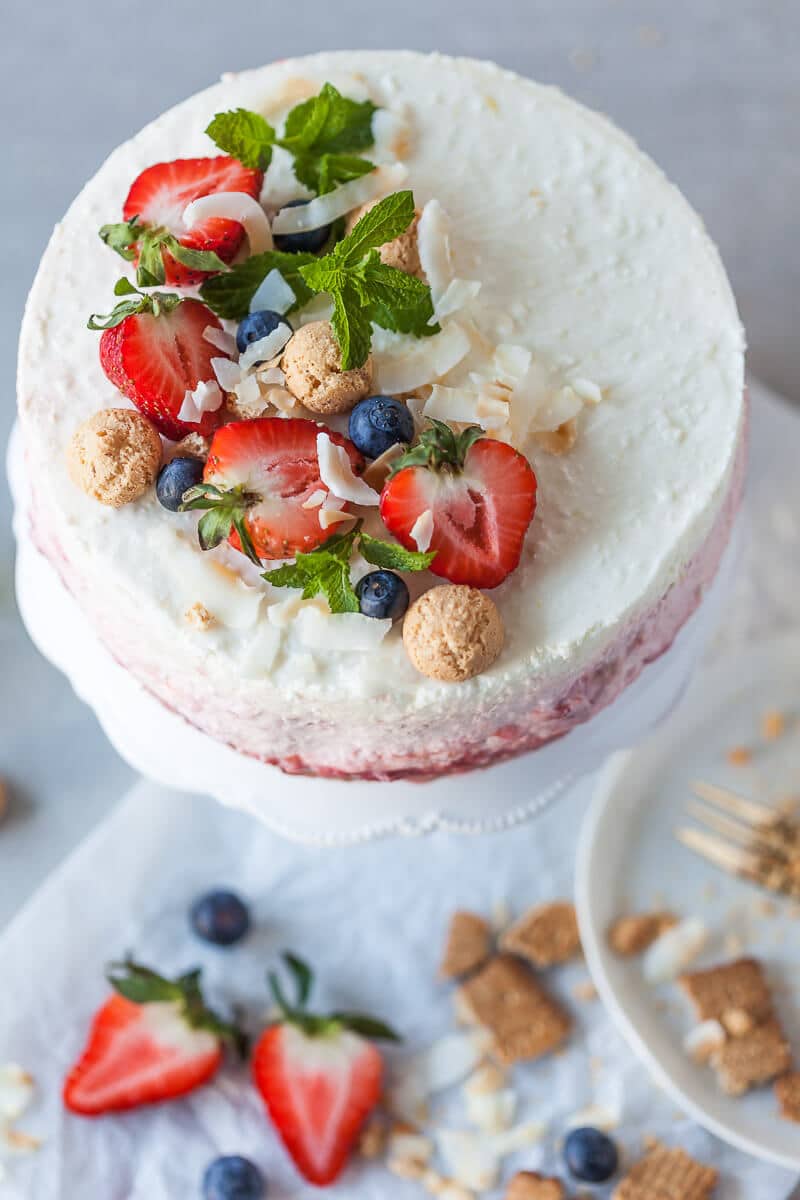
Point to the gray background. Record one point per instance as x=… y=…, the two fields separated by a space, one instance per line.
x=710 y=88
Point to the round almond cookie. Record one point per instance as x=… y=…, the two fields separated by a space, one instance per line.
x=569 y=303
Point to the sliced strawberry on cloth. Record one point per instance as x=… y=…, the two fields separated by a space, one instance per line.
x=153 y=234
x=157 y=353
x=258 y=476
x=481 y=495
x=320 y=1078
x=153 y=1040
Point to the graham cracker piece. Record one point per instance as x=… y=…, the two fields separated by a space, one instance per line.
x=545 y=935
x=527 y=1185
x=631 y=935
x=468 y=945
x=739 y=985
x=506 y=999
x=667 y=1174
x=787 y=1093
x=755 y=1058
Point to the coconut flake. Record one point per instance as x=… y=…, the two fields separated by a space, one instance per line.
x=322 y=210
x=233 y=206
x=511 y=362
x=248 y=391
x=206 y=397
x=433 y=241
x=412 y=363
x=328 y=516
x=16 y=1091
x=452 y=404
x=273 y=293
x=491 y=1111
x=315 y=499
x=223 y=341
x=349 y=632
x=558 y=408
x=442 y=1065
x=674 y=950
x=228 y=373
x=702 y=1041
x=458 y=294
x=469 y=1157
x=337 y=474
x=588 y=391
x=282 y=399
x=271 y=375
x=421 y=531
x=406 y=1146
x=267 y=347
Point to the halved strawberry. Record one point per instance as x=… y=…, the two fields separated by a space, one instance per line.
x=152 y=1041
x=155 y=359
x=319 y=1078
x=258 y=475
x=160 y=194
x=481 y=495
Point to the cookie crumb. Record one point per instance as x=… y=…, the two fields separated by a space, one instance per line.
x=739 y=756
x=373 y=1139
x=787 y=1092
x=453 y=632
x=773 y=725
x=199 y=617
x=114 y=456
x=528 y=1185
x=585 y=991
x=468 y=945
x=545 y=935
x=194 y=445
x=633 y=934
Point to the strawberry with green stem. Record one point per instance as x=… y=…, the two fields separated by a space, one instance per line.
x=320 y=1077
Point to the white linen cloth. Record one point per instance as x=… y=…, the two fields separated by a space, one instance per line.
x=371 y=918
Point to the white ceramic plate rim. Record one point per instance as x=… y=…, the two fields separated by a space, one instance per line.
x=591 y=894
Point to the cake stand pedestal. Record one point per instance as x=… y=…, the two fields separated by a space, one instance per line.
x=162 y=746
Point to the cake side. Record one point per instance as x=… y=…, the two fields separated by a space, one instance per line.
x=587 y=258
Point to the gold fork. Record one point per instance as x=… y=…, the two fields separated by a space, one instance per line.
x=749 y=839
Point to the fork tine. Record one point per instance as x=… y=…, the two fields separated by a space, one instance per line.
x=744 y=835
x=734 y=859
x=745 y=810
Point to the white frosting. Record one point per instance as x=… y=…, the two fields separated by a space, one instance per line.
x=585 y=255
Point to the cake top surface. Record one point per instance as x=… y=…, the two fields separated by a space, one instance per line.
x=580 y=281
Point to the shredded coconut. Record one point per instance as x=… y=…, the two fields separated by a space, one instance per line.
x=337 y=474
x=267 y=347
x=228 y=373
x=233 y=206
x=223 y=341
x=413 y=363
x=422 y=530
x=433 y=240
x=206 y=397
x=322 y=210
x=273 y=293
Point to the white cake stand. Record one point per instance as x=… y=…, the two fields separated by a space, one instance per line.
x=324 y=811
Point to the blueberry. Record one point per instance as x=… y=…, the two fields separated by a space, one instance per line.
x=382 y=594
x=257 y=325
x=378 y=423
x=232 y=1178
x=220 y=917
x=590 y=1155
x=301 y=243
x=175 y=478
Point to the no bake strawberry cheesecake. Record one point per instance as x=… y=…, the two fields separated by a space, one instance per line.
x=384 y=412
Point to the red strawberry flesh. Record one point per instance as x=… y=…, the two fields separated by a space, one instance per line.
x=480 y=514
x=138 y=1054
x=154 y=361
x=275 y=459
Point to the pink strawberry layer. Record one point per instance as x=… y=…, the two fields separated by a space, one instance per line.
x=369 y=741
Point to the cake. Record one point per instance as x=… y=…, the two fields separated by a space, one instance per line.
x=555 y=326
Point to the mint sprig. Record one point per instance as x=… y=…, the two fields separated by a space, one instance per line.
x=223 y=511
x=326 y=570
x=365 y=290
x=323 y=135
x=156 y=303
x=230 y=294
x=150 y=242
x=244 y=135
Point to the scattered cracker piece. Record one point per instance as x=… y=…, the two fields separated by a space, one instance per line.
x=527 y=1185
x=199 y=617
x=667 y=1174
x=453 y=632
x=736 y=985
x=114 y=456
x=737 y=1021
x=633 y=934
x=754 y=1059
x=585 y=991
x=545 y=935
x=469 y=944
x=773 y=725
x=506 y=999
x=739 y=756
x=373 y=1139
x=787 y=1092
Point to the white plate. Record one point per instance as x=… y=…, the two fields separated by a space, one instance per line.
x=628 y=859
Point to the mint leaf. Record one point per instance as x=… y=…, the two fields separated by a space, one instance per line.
x=364 y=290
x=123 y=237
x=323 y=134
x=392 y=556
x=157 y=303
x=230 y=294
x=244 y=135
x=325 y=571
